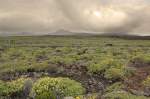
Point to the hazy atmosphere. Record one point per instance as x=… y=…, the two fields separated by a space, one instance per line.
x=74 y=49
x=79 y=16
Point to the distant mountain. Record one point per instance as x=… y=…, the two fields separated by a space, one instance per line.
x=63 y=32
x=125 y=36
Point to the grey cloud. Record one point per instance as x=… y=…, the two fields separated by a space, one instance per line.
x=94 y=16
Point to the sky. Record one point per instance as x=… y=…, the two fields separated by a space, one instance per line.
x=78 y=16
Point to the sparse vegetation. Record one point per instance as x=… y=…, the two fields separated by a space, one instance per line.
x=115 y=87
x=122 y=95
x=104 y=65
x=145 y=58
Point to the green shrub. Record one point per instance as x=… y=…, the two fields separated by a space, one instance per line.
x=40 y=55
x=39 y=66
x=68 y=60
x=89 y=96
x=129 y=71
x=13 y=53
x=115 y=91
x=105 y=65
x=87 y=57
x=17 y=85
x=146 y=82
x=122 y=95
x=12 y=67
x=115 y=87
x=56 y=59
x=9 y=88
x=24 y=66
x=64 y=50
x=62 y=60
x=44 y=66
x=111 y=68
x=114 y=73
x=142 y=58
x=4 y=89
x=49 y=88
x=101 y=66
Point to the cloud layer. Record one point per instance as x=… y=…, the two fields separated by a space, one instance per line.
x=94 y=16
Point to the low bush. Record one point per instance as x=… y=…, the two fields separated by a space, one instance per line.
x=12 y=67
x=110 y=68
x=40 y=55
x=114 y=74
x=116 y=91
x=13 y=54
x=89 y=96
x=50 y=88
x=35 y=66
x=13 y=87
x=101 y=66
x=65 y=60
x=145 y=58
x=115 y=87
x=122 y=95
x=146 y=82
x=4 y=89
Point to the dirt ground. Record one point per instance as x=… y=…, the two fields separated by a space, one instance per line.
x=134 y=83
x=93 y=83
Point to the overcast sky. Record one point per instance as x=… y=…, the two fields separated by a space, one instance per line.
x=93 y=16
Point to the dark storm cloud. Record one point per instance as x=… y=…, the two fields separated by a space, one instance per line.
x=94 y=16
